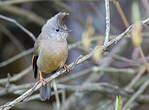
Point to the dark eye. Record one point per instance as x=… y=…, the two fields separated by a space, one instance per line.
x=57 y=30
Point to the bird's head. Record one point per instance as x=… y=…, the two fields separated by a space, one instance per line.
x=55 y=27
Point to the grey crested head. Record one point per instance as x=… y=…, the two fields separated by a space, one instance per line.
x=55 y=27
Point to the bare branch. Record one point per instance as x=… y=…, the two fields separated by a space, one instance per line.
x=119 y=9
x=107 y=22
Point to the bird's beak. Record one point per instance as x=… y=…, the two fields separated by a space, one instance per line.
x=67 y=31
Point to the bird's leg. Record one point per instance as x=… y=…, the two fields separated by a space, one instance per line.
x=67 y=68
x=42 y=79
x=32 y=58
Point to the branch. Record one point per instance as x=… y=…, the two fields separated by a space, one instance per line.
x=62 y=71
x=107 y=22
x=119 y=9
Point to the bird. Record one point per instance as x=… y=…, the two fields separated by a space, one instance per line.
x=50 y=51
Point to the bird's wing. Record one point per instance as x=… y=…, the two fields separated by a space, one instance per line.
x=35 y=57
x=35 y=67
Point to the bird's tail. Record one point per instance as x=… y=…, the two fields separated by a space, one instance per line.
x=45 y=91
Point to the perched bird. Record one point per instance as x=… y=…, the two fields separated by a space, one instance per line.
x=50 y=51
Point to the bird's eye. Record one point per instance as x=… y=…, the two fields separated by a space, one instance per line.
x=57 y=30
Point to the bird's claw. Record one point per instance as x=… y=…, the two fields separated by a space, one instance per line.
x=67 y=68
x=43 y=81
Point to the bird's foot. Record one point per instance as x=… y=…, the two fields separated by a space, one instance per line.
x=67 y=68
x=43 y=81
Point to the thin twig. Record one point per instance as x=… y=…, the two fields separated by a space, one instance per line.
x=107 y=21
x=124 y=19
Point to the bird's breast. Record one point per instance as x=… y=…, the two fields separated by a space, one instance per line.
x=52 y=55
